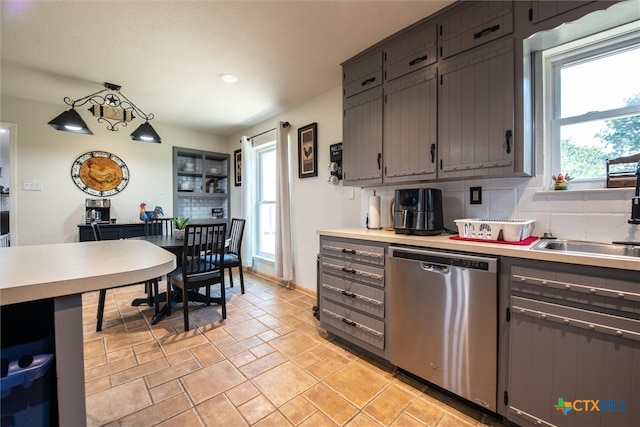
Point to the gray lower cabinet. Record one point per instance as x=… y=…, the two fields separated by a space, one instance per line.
x=475 y=112
x=574 y=346
x=352 y=292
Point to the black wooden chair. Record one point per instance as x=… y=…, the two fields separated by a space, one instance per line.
x=158 y=227
x=233 y=256
x=151 y=285
x=202 y=266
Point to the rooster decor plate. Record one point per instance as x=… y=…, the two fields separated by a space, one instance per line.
x=100 y=173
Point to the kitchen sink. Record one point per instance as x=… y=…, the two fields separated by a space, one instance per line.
x=594 y=248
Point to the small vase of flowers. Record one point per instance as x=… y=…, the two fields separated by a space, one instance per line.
x=180 y=224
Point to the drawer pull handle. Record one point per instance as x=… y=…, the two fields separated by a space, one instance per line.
x=619 y=333
x=349 y=251
x=544 y=283
x=543 y=316
x=593 y=291
x=592 y=326
x=620 y=295
x=415 y=61
x=366 y=82
x=349 y=322
x=348 y=294
x=567 y=286
x=566 y=321
x=486 y=31
x=348 y=270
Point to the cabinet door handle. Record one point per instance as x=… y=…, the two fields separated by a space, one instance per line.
x=379 y=161
x=416 y=60
x=486 y=31
x=433 y=153
x=366 y=82
x=349 y=322
x=507 y=140
x=348 y=294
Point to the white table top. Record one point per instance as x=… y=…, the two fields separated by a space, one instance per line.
x=35 y=272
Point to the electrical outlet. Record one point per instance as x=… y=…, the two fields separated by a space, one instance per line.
x=32 y=185
x=475 y=195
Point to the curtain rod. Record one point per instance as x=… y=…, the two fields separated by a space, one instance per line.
x=284 y=125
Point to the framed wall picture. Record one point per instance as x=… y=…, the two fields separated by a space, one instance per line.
x=237 y=162
x=307 y=149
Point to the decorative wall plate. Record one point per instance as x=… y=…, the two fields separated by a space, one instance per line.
x=100 y=173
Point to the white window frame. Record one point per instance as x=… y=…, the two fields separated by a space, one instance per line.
x=260 y=151
x=553 y=59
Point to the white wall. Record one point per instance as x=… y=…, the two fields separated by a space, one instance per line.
x=43 y=153
x=316 y=203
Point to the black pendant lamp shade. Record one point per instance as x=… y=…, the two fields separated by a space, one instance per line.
x=110 y=106
x=70 y=121
x=146 y=133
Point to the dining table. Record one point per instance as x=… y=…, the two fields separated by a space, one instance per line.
x=175 y=245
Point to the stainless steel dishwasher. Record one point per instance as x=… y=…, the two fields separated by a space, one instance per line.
x=443 y=320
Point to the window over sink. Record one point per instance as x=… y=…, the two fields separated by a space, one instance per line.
x=591 y=102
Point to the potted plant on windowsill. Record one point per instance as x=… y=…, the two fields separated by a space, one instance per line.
x=180 y=224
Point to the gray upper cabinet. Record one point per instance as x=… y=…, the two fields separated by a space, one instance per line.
x=410 y=52
x=472 y=24
x=362 y=74
x=410 y=132
x=541 y=10
x=362 y=138
x=476 y=112
x=362 y=119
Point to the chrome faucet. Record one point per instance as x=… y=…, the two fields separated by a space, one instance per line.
x=635 y=201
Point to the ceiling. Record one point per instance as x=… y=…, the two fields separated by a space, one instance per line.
x=168 y=55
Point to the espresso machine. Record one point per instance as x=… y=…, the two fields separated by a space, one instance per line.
x=98 y=210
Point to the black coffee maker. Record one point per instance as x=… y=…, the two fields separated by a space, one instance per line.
x=418 y=211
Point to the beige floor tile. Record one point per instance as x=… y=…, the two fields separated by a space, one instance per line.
x=362 y=420
x=93 y=362
x=120 y=354
x=157 y=413
x=242 y=393
x=118 y=340
x=242 y=359
x=165 y=391
x=246 y=329
x=182 y=341
x=180 y=357
x=117 y=402
x=283 y=383
x=237 y=347
x=139 y=371
x=259 y=366
x=262 y=350
x=425 y=412
x=356 y=383
x=148 y=356
x=405 y=420
x=268 y=336
x=93 y=348
x=109 y=368
x=97 y=385
x=256 y=409
x=452 y=421
x=297 y=410
x=306 y=359
x=218 y=411
x=188 y=418
x=276 y=419
x=388 y=404
x=211 y=381
x=336 y=407
x=219 y=337
x=207 y=354
x=293 y=343
x=327 y=366
x=172 y=373
x=318 y=420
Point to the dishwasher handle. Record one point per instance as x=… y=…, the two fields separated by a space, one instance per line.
x=435 y=268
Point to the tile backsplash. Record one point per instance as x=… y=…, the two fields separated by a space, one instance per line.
x=595 y=215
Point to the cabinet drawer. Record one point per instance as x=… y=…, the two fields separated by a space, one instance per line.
x=607 y=324
x=349 y=251
x=417 y=49
x=352 y=271
x=475 y=24
x=354 y=323
x=362 y=74
x=354 y=295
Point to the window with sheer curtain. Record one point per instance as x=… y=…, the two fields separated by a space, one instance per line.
x=266 y=201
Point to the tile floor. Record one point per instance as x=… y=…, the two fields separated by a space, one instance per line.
x=267 y=364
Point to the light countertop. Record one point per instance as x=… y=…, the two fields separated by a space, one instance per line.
x=34 y=272
x=499 y=249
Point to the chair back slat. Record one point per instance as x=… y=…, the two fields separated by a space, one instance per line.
x=237 y=231
x=203 y=249
x=97 y=234
x=158 y=227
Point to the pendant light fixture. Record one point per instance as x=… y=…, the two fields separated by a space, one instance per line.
x=108 y=105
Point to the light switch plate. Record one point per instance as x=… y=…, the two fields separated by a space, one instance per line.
x=32 y=185
x=475 y=195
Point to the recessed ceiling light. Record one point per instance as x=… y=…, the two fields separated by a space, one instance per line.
x=228 y=78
